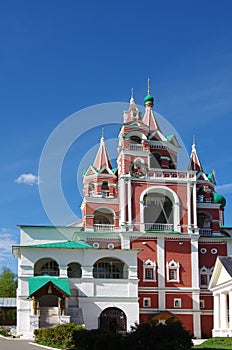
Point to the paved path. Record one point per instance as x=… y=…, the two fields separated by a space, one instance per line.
x=17 y=344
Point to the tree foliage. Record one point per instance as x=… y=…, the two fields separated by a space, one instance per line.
x=150 y=336
x=8 y=283
x=169 y=335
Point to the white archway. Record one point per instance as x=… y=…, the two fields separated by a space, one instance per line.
x=172 y=196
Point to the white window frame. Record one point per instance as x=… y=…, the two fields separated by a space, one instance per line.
x=173 y=265
x=149 y=265
x=177 y=303
x=147 y=301
x=205 y=271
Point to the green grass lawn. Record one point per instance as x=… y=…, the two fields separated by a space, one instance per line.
x=216 y=343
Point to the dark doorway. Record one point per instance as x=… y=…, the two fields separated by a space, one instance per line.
x=113 y=319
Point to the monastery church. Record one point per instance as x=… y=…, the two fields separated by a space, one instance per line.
x=146 y=245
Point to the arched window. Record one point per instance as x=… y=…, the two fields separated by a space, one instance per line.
x=155 y=160
x=135 y=139
x=74 y=270
x=204 y=221
x=91 y=188
x=158 y=212
x=205 y=275
x=149 y=271
x=173 y=271
x=105 y=189
x=46 y=267
x=103 y=220
x=110 y=268
x=171 y=164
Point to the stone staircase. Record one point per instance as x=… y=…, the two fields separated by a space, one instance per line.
x=48 y=317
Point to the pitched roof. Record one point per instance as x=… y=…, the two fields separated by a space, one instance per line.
x=37 y=282
x=66 y=244
x=227 y=263
x=102 y=157
x=195 y=163
x=150 y=120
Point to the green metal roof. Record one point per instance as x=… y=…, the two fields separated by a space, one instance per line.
x=169 y=137
x=66 y=244
x=35 y=283
x=164 y=231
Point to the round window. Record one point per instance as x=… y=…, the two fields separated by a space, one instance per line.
x=96 y=245
x=203 y=250
x=214 y=251
x=110 y=246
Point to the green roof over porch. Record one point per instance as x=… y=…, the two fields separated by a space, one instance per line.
x=37 y=282
x=66 y=244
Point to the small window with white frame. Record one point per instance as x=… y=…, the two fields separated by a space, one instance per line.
x=149 y=271
x=205 y=276
x=177 y=302
x=146 y=302
x=202 y=304
x=173 y=271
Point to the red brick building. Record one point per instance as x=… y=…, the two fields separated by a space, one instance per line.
x=174 y=216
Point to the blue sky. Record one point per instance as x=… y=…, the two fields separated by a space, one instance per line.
x=60 y=57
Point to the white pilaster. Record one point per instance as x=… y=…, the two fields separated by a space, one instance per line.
x=122 y=202
x=195 y=262
x=194 y=205
x=216 y=312
x=63 y=271
x=223 y=311
x=230 y=309
x=189 y=207
x=129 y=203
x=161 y=273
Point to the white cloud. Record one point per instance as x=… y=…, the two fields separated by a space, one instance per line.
x=7 y=240
x=28 y=179
x=224 y=189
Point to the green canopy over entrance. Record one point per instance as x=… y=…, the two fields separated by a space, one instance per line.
x=36 y=283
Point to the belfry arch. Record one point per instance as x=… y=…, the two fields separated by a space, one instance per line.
x=160 y=209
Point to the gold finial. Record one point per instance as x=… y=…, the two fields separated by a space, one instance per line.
x=148 y=86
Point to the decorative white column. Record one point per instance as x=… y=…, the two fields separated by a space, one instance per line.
x=223 y=311
x=230 y=309
x=195 y=262
x=189 y=207
x=216 y=312
x=194 y=205
x=161 y=273
x=129 y=203
x=195 y=287
x=122 y=202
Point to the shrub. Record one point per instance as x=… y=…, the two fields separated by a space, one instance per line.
x=61 y=336
x=5 y=332
x=98 y=339
x=159 y=336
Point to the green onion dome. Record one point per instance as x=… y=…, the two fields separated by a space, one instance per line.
x=219 y=199
x=148 y=100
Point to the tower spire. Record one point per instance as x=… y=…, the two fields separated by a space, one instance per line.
x=132 y=100
x=195 y=163
x=148 y=86
x=102 y=158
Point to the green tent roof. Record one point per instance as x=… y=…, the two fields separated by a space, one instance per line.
x=66 y=244
x=35 y=283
